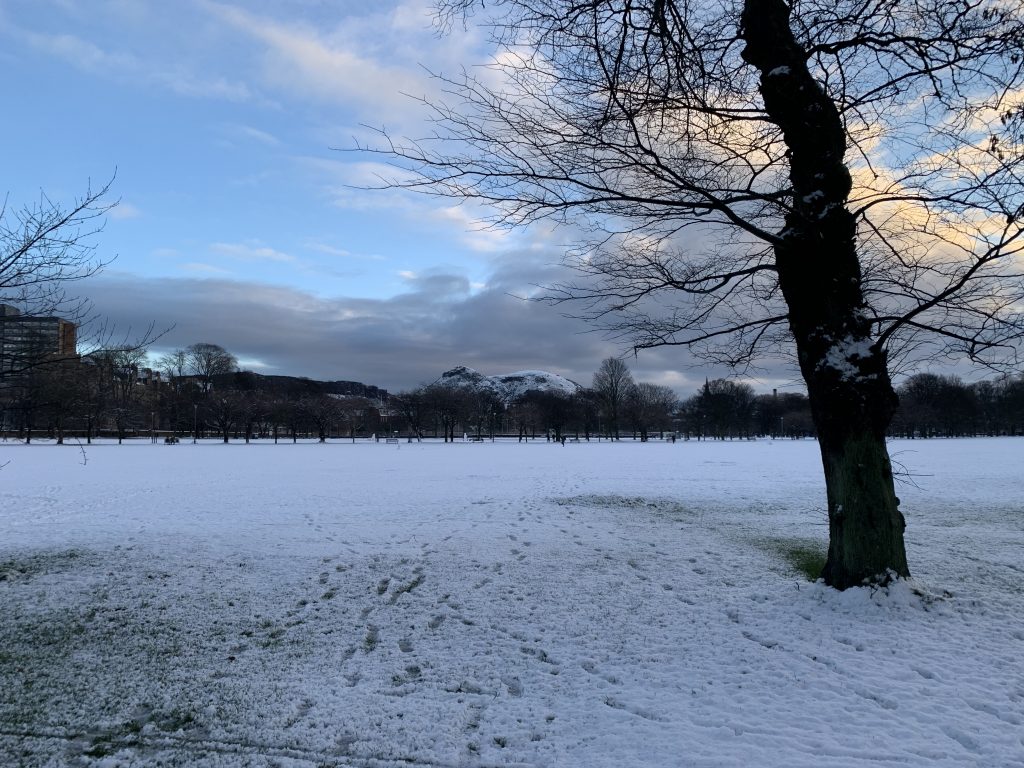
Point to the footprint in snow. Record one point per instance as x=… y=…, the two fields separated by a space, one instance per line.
x=514 y=686
x=963 y=739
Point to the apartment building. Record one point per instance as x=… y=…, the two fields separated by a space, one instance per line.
x=27 y=339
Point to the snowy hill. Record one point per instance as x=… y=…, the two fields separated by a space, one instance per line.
x=508 y=387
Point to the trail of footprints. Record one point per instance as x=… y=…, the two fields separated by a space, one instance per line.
x=393 y=601
x=394 y=607
x=387 y=609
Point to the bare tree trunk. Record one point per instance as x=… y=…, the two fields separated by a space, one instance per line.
x=865 y=524
x=852 y=399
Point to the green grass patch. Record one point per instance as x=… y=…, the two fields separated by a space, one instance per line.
x=804 y=556
x=30 y=565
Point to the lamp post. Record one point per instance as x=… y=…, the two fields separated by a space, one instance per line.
x=152 y=427
x=195 y=421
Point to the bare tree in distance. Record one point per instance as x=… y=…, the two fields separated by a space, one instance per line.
x=119 y=370
x=355 y=414
x=323 y=411
x=223 y=410
x=449 y=406
x=651 y=407
x=724 y=408
x=414 y=407
x=61 y=392
x=173 y=365
x=835 y=179
x=205 y=361
x=613 y=383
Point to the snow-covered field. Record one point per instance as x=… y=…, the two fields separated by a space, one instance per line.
x=487 y=604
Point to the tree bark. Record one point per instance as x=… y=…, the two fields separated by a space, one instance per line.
x=851 y=395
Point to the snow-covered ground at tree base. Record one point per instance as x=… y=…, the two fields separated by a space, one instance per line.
x=502 y=604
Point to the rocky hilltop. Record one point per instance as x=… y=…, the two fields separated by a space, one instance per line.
x=508 y=387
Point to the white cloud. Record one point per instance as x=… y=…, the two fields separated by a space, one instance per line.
x=252 y=250
x=196 y=267
x=330 y=250
x=124 y=211
x=343 y=253
x=83 y=54
x=129 y=67
x=300 y=60
x=253 y=364
x=256 y=252
x=474 y=233
x=255 y=134
x=193 y=86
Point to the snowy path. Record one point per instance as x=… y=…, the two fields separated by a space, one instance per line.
x=497 y=605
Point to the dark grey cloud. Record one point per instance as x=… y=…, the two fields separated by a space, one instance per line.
x=394 y=343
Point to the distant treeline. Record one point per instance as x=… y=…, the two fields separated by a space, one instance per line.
x=614 y=406
x=931 y=405
x=944 y=406
x=199 y=391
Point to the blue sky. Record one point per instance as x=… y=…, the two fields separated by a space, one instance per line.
x=240 y=224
